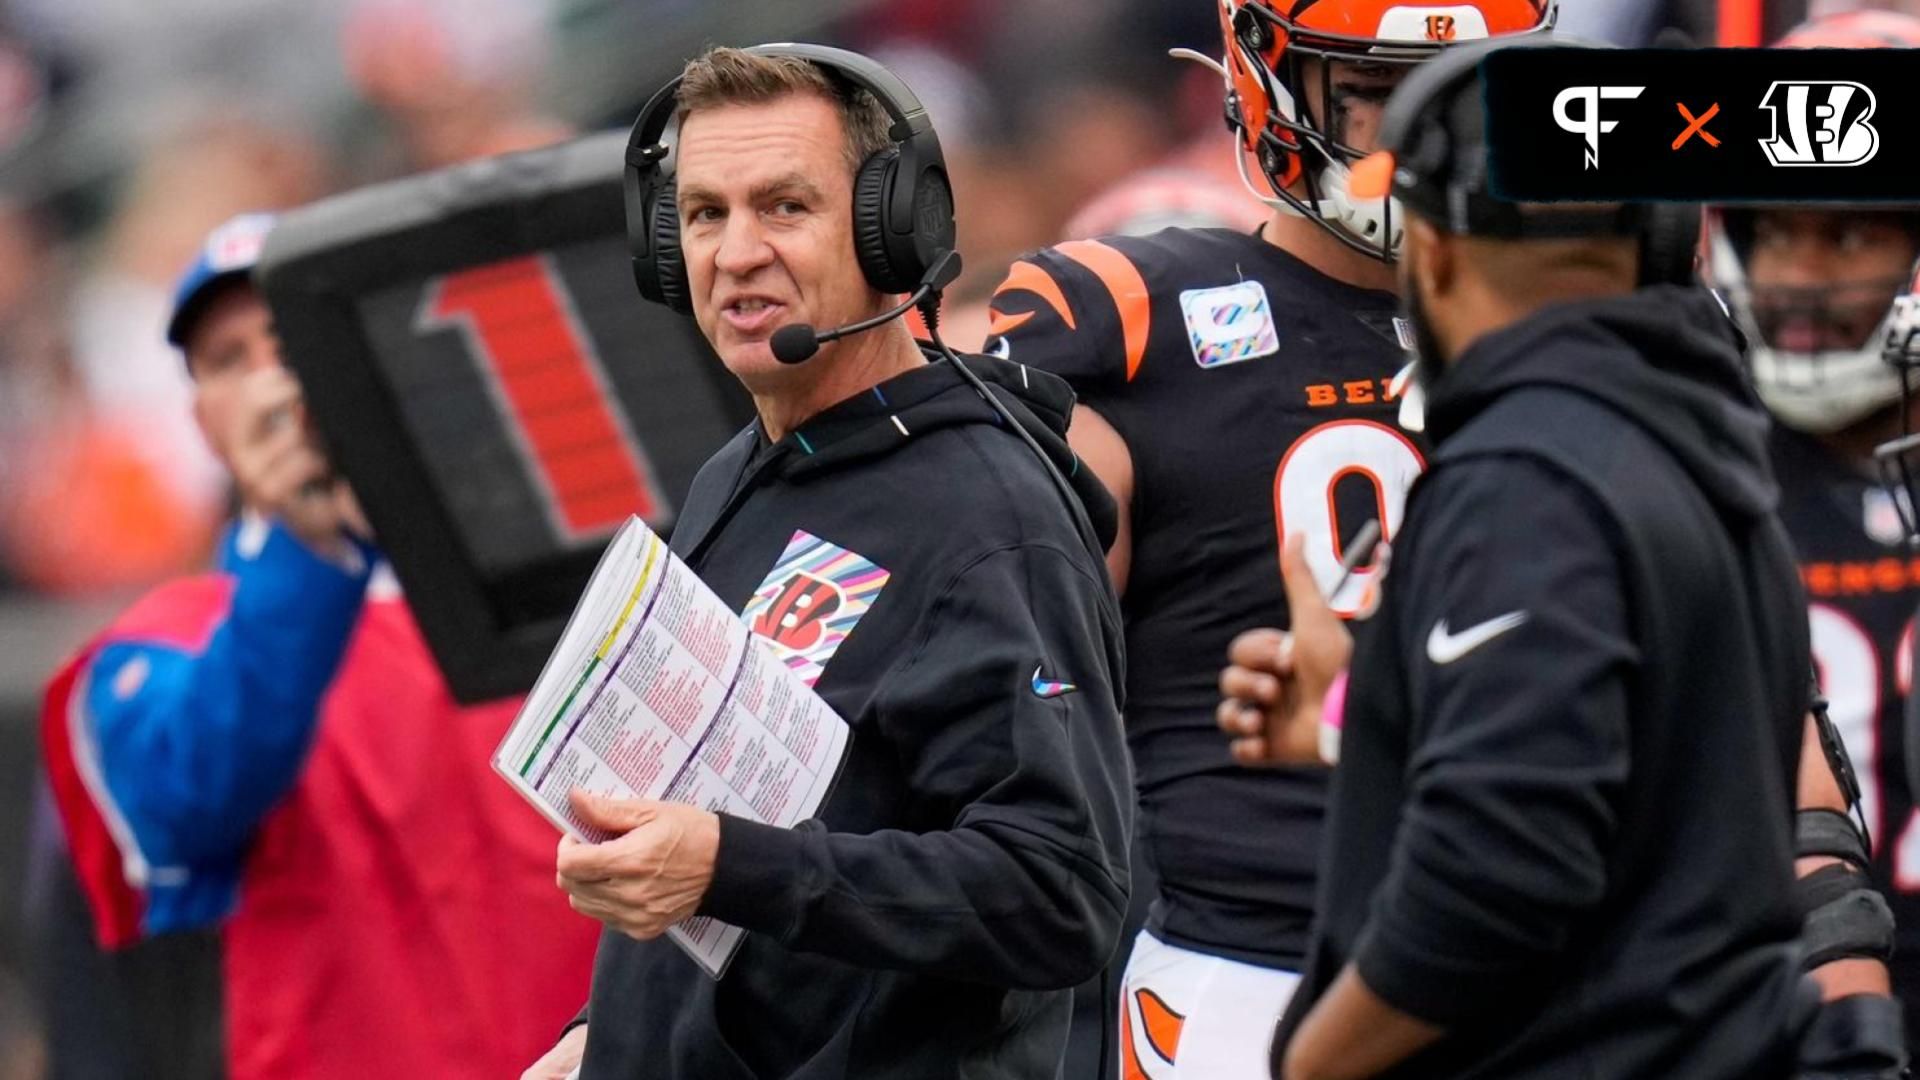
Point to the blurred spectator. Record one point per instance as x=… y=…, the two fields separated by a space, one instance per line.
x=112 y=485
x=1196 y=187
x=995 y=212
x=1086 y=127
x=457 y=77
x=962 y=28
x=239 y=744
x=1635 y=23
x=81 y=502
x=1822 y=8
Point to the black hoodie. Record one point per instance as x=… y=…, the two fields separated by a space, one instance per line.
x=971 y=864
x=1561 y=825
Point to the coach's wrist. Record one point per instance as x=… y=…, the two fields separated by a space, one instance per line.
x=755 y=872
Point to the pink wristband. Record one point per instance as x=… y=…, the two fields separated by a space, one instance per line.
x=1333 y=711
x=1333 y=714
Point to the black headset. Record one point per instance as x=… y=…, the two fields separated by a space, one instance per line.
x=902 y=200
x=1436 y=127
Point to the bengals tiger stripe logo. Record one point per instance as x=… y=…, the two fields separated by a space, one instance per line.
x=1441 y=28
x=797 y=617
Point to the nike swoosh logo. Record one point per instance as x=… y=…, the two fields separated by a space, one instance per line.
x=1049 y=688
x=1444 y=647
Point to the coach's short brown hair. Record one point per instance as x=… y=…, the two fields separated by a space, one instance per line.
x=723 y=76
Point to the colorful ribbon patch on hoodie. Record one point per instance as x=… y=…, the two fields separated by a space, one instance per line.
x=811 y=600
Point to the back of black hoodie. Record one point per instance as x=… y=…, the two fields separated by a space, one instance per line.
x=1561 y=825
x=970 y=865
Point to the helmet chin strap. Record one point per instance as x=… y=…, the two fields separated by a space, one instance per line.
x=1363 y=219
x=1336 y=207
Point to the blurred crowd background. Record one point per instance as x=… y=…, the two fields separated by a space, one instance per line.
x=128 y=128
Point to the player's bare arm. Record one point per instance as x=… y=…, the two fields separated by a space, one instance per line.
x=1106 y=453
x=1273 y=690
x=1353 y=1034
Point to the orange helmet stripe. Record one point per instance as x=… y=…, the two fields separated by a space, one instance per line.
x=1364 y=18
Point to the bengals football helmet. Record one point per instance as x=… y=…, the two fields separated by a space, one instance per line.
x=1899 y=459
x=1296 y=137
x=1816 y=349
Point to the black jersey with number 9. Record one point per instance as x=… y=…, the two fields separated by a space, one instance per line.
x=1253 y=395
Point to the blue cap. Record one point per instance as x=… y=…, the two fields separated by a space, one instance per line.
x=230 y=251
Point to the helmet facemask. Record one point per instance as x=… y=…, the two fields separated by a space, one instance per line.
x=1899 y=459
x=1815 y=350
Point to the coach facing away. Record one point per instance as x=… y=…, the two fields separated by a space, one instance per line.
x=1560 y=835
x=945 y=591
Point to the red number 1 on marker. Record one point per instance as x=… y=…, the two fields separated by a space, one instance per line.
x=543 y=371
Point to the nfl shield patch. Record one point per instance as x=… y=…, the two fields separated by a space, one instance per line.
x=1229 y=324
x=811 y=600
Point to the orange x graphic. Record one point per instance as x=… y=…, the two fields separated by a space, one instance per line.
x=1697 y=125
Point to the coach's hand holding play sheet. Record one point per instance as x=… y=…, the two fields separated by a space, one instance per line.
x=658 y=691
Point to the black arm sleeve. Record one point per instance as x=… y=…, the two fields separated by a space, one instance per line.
x=1027 y=884
x=1518 y=653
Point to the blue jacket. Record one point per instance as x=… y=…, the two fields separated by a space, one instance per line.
x=171 y=735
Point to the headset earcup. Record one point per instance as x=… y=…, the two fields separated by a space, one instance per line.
x=669 y=266
x=1669 y=243
x=871 y=191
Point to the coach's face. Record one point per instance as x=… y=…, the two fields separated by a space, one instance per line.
x=765 y=196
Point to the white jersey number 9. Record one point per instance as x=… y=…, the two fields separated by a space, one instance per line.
x=1303 y=496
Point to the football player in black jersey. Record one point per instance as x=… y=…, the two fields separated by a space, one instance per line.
x=1812 y=288
x=1236 y=388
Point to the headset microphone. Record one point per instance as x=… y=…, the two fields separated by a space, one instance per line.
x=795 y=343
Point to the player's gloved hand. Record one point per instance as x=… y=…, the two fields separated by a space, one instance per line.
x=1274 y=687
x=279 y=467
x=560 y=1062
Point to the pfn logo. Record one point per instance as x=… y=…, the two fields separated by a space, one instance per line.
x=1441 y=28
x=1825 y=124
x=1588 y=125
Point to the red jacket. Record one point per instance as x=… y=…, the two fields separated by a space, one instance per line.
x=397 y=914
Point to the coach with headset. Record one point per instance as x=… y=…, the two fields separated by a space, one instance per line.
x=913 y=542
x=1561 y=830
